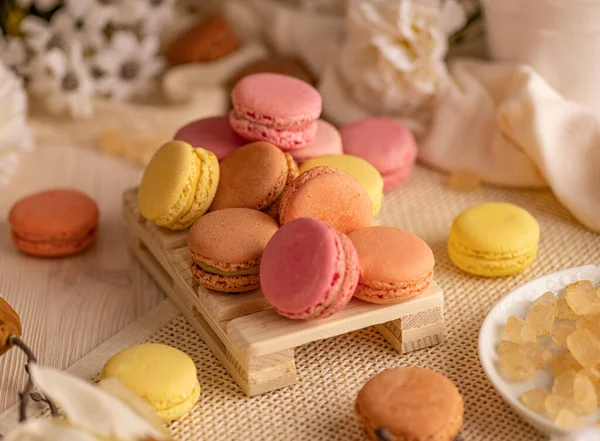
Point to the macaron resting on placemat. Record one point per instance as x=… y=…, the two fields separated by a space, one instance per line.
x=330 y=372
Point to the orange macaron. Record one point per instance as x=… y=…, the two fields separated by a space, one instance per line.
x=395 y=265
x=54 y=223
x=330 y=195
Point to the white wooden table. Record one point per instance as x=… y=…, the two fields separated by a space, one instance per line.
x=70 y=306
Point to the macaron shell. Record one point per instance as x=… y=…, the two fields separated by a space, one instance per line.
x=410 y=404
x=387 y=293
x=252 y=177
x=361 y=170
x=330 y=195
x=231 y=239
x=165 y=377
x=383 y=142
x=213 y=134
x=287 y=138
x=497 y=228
x=350 y=278
x=327 y=141
x=206 y=189
x=169 y=182
x=55 y=222
x=54 y=248
x=486 y=265
x=276 y=100
x=301 y=268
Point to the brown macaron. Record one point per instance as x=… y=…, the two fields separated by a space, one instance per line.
x=254 y=176
x=208 y=40
x=410 y=404
x=226 y=247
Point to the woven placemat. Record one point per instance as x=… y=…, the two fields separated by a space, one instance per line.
x=320 y=406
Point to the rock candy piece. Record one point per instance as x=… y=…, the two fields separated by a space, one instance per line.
x=590 y=322
x=563 y=384
x=538 y=355
x=554 y=403
x=568 y=419
x=518 y=331
x=564 y=362
x=463 y=181
x=517 y=365
x=534 y=399
x=594 y=375
x=508 y=346
x=560 y=334
x=584 y=393
x=584 y=347
x=549 y=300
x=582 y=298
x=564 y=310
x=541 y=319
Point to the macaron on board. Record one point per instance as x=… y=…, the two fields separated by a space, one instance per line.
x=254 y=343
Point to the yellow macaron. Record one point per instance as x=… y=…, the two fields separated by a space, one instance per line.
x=163 y=376
x=178 y=185
x=494 y=239
x=361 y=170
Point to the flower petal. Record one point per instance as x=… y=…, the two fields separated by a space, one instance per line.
x=91 y=408
x=47 y=430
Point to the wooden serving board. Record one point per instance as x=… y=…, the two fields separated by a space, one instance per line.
x=255 y=344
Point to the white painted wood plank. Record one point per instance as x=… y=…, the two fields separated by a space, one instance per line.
x=70 y=306
x=267 y=332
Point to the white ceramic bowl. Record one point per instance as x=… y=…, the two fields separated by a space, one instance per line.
x=518 y=303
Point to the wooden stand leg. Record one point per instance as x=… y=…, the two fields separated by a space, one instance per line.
x=414 y=332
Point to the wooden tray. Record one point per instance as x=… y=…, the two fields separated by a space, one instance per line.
x=255 y=344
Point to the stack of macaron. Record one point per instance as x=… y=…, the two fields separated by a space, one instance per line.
x=305 y=236
x=285 y=111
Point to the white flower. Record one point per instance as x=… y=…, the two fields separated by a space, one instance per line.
x=13 y=53
x=62 y=81
x=14 y=132
x=100 y=13
x=393 y=58
x=92 y=413
x=64 y=26
x=159 y=13
x=41 y=5
x=126 y=68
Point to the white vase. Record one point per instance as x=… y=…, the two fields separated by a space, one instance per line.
x=560 y=39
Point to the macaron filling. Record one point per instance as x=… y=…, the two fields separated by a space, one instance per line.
x=253 y=270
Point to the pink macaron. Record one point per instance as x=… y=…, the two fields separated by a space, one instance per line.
x=309 y=270
x=386 y=144
x=213 y=134
x=275 y=108
x=328 y=141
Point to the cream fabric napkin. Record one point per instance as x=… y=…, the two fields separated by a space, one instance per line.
x=509 y=126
